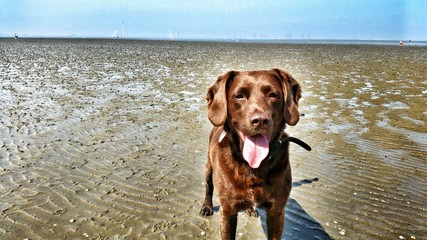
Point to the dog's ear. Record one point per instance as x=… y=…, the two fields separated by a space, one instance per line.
x=217 y=99
x=291 y=95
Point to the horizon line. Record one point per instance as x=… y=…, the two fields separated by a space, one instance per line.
x=25 y=36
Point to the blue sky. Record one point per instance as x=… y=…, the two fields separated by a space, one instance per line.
x=273 y=19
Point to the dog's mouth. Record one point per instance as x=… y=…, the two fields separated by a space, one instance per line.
x=255 y=148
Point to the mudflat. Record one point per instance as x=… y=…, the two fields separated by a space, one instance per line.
x=107 y=139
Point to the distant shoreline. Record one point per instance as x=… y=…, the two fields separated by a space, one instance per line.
x=240 y=40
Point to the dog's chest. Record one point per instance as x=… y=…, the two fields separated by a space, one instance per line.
x=258 y=195
x=256 y=192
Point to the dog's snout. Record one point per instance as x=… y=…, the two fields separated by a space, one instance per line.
x=259 y=120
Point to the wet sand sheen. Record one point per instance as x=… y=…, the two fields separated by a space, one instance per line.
x=107 y=139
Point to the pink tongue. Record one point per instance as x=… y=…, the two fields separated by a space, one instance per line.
x=255 y=149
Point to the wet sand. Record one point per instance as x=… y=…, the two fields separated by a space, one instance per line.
x=105 y=139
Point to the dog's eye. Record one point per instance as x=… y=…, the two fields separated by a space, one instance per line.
x=274 y=95
x=239 y=96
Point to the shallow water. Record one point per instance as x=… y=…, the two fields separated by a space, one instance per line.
x=106 y=139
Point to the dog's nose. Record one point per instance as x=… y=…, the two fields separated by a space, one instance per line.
x=259 y=120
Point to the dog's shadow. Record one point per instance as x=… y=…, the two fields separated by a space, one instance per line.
x=298 y=223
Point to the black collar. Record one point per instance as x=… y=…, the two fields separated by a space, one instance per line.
x=288 y=139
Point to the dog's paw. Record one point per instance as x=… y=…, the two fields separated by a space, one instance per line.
x=206 y=211
x=252 y=212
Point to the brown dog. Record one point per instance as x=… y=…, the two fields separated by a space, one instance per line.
x=249 y=111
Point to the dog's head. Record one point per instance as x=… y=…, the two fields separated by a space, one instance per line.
x=255 y=104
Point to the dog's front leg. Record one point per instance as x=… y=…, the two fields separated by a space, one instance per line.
x=228 y=223
x=207 y=208
x=275 y=223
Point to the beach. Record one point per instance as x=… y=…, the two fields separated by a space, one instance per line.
x=107 y=139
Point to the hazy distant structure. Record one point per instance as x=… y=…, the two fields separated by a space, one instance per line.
x=117 y=34
x=16 y=36
x=123 y=29
x=172 y=36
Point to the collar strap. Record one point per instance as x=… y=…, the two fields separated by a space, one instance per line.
x=289 y=139
x=222 y=136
